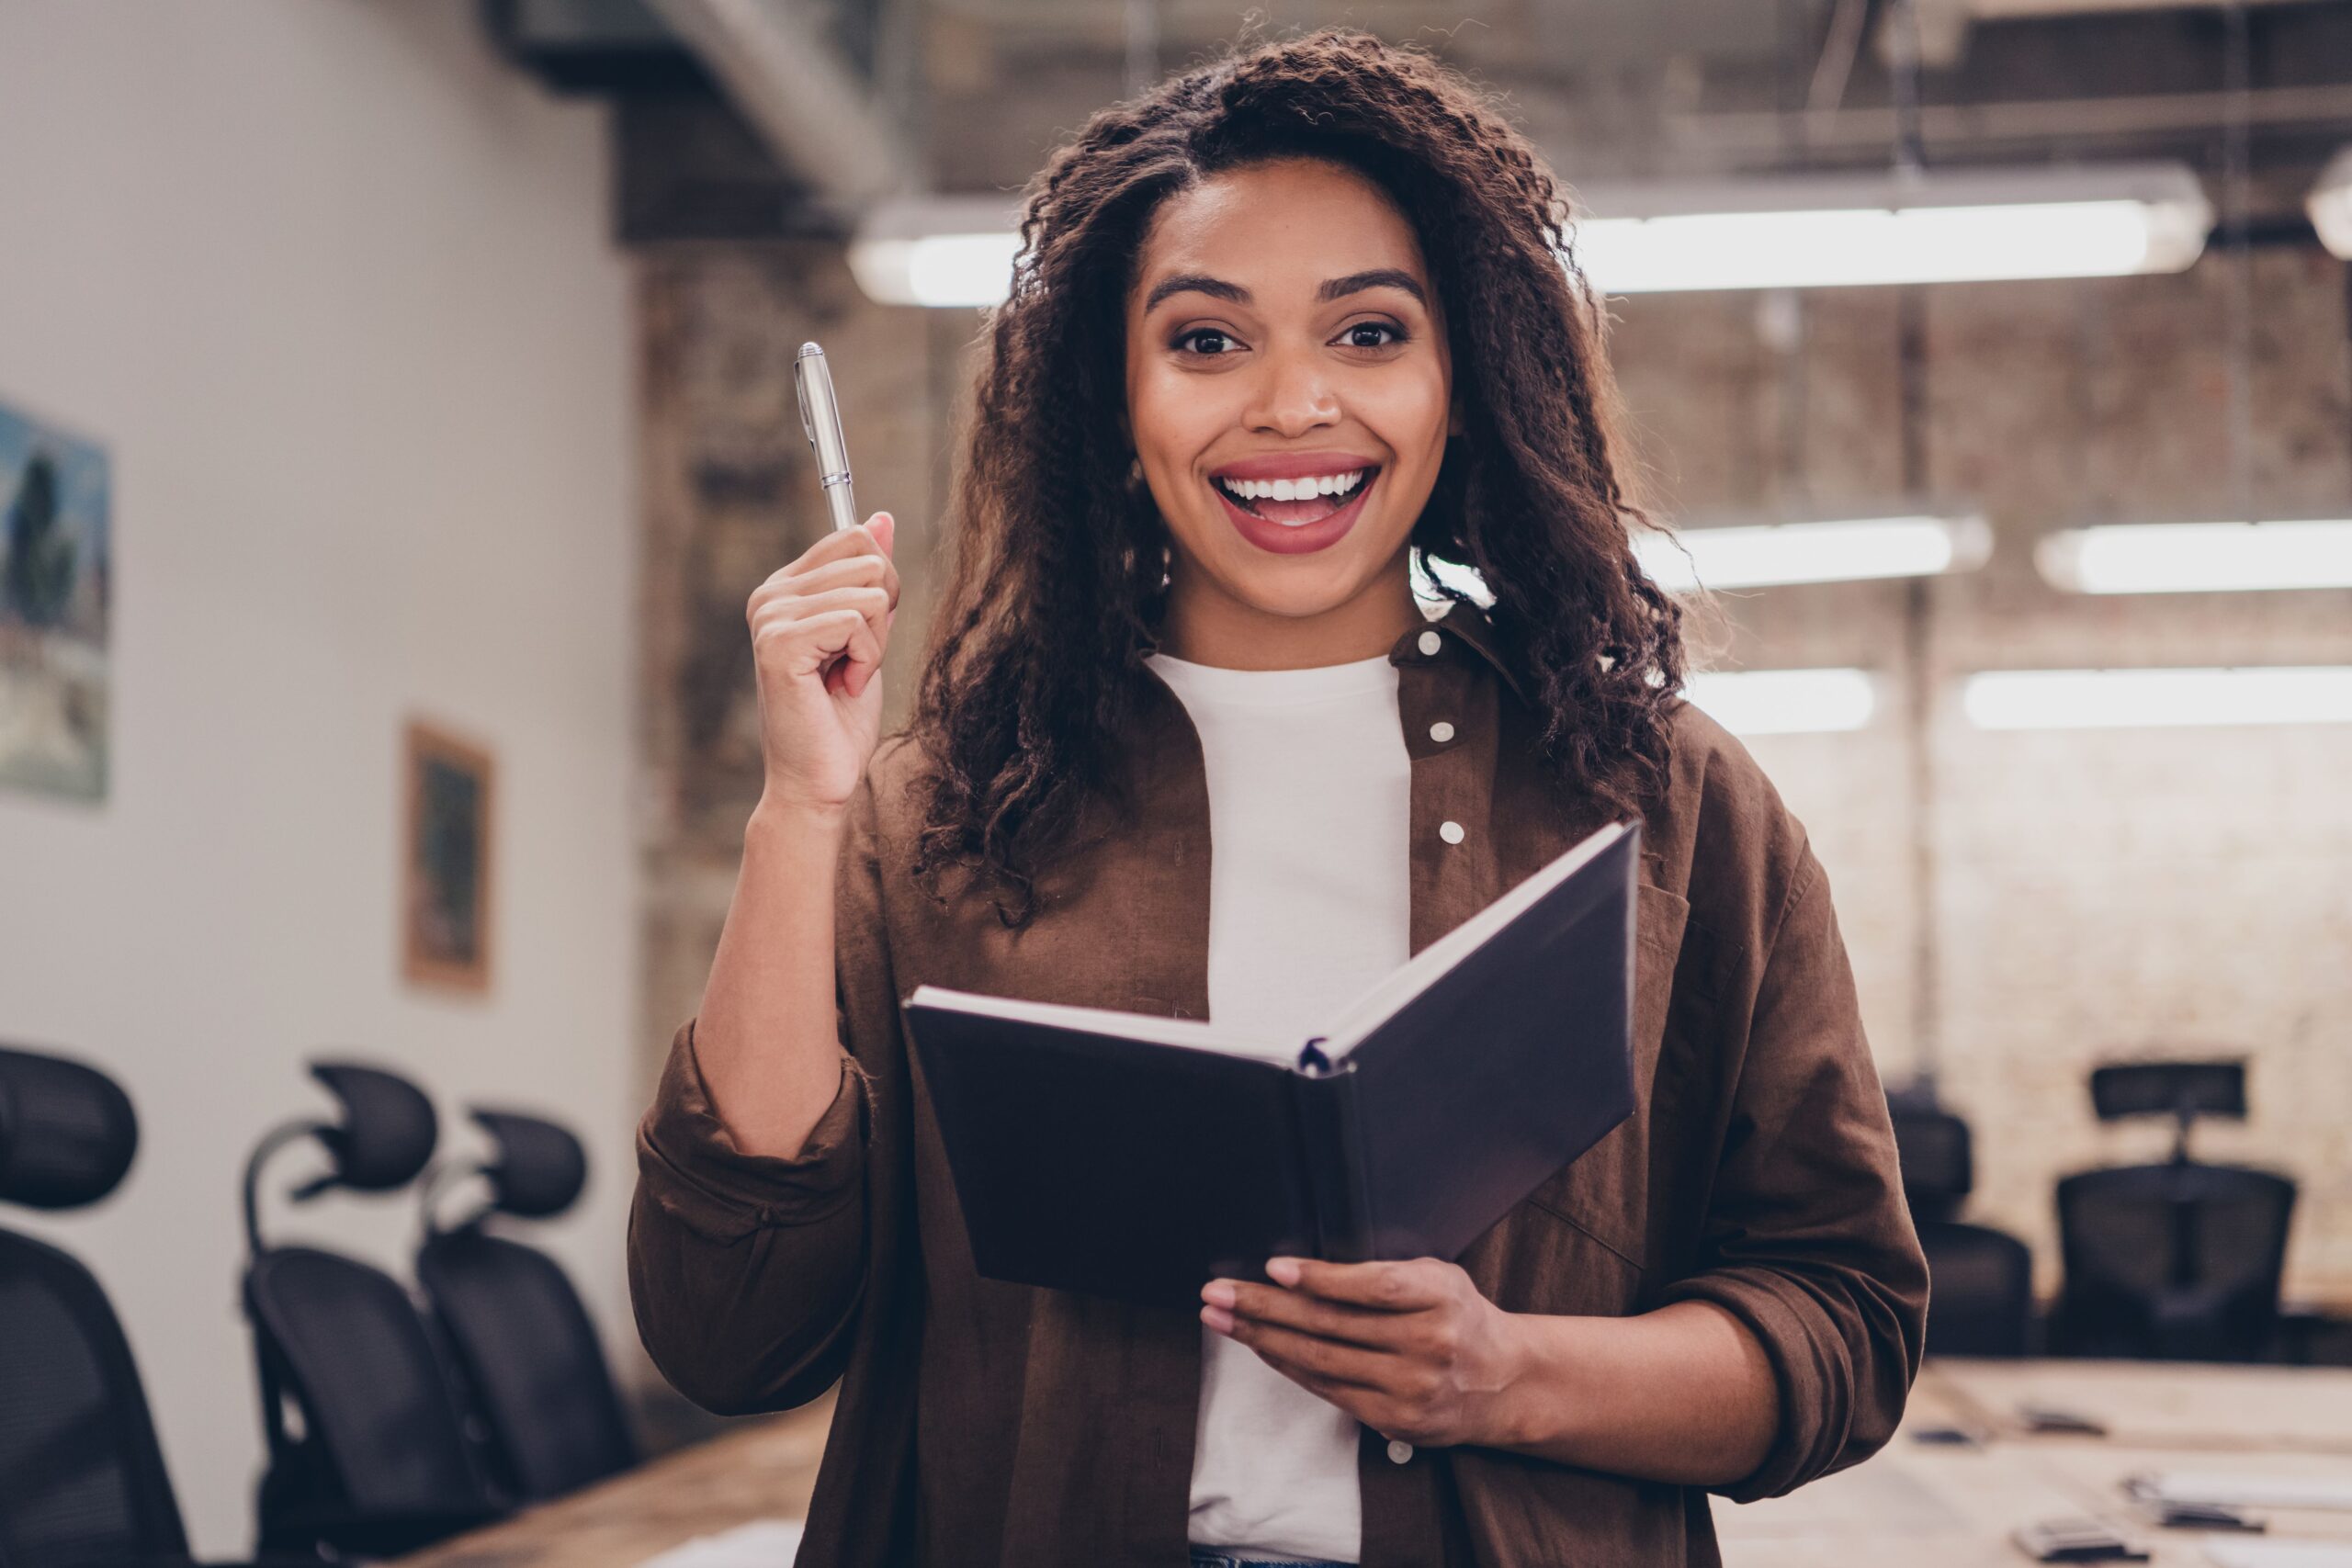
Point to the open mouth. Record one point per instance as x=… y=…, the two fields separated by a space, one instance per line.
x=1296 y=503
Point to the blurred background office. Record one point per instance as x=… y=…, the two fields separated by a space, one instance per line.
x=396 y=413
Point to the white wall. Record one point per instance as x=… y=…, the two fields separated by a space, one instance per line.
x=333 y=285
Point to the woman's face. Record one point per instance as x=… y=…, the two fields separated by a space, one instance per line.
x=1288 y=385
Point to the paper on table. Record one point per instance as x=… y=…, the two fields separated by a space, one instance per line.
x=762 y=1543
x=2242 y=1490
x=2255 y=1552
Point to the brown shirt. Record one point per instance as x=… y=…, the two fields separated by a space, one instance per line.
x=987 y=1423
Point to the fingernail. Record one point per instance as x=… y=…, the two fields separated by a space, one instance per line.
x=1217 y=1318
x=1218 y=1293
x=1283 y=1271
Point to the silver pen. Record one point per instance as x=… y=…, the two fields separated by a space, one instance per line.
x=821 y=418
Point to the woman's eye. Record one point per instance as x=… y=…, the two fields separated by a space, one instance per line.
x=1220 y=342
x=1364 y=334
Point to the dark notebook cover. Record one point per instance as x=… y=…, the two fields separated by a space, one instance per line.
x=1137 y=1156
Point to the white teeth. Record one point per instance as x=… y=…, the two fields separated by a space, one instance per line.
x=1293 y=490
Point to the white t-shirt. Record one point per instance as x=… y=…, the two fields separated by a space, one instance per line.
x=1310 y=792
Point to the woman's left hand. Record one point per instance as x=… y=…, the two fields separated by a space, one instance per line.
x=1411 y=1349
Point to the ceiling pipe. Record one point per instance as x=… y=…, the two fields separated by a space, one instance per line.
x=788 y=81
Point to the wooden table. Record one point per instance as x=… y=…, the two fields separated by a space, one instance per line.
x=1926 y=1506
x=1915 y=1505
x=762 y=1469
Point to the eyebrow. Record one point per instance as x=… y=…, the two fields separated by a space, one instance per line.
x=1375 y=278
x=1194 y=283
x=1332 y=288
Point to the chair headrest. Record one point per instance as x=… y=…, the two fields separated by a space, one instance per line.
x=2169 y=1089
x=388 y=1129
x=540 y=1168
x=1937 y=1157
x=67 y=1132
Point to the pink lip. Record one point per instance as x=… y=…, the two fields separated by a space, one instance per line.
x=1293 y=466
x=1320 y=535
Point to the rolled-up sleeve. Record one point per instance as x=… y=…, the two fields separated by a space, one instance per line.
x=746 y=1272
x=1808 y=1241
x=689 y=1166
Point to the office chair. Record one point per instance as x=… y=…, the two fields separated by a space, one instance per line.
x=82 y=1478
x=1980 y=1280
x=2174 y=1261
x=516 y=1326
x=380 y=1463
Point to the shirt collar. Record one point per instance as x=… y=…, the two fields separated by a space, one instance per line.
x=1464 y=618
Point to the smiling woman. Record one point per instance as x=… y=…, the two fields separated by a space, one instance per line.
x=1283 y=329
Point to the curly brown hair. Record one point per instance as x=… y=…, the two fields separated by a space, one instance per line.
x=1060 y=570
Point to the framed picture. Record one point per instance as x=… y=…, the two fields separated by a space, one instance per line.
x=54 y=568
x=447 y=921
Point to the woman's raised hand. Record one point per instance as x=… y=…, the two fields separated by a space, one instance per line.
x=819 y=629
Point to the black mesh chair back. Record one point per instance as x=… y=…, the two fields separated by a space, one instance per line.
x=1980 y=1290
x=523 y=1340
x=81 y=1476
x=353 y=1353
x=2179 y=1261
x=377 y=1460
x=1938 y=1160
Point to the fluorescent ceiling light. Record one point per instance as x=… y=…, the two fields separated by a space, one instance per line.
x=1790 y=232
x=938 y=251
x=1844 y=231
x=1785 y=702
x=1842 y=551
x=2122 y=699
x=2197 y=557
x=2330 y=205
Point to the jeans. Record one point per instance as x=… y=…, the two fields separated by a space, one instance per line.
x=1204 y=1558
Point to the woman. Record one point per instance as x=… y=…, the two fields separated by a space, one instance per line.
x=1186 y=744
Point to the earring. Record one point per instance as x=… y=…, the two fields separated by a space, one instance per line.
x=1134 y=469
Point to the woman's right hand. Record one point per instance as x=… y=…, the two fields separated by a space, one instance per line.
x=819 y=629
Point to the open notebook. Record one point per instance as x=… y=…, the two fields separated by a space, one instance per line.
x=1137 y=1156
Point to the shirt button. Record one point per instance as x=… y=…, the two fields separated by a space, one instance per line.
x=1441 y=732
x=1400 y=1451
x=1449 y=832
x=1430 y=642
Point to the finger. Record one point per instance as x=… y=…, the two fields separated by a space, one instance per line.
x=863 y=656
x=805 y=646
x=850 y=572
x=884 y=529
x=1410 y=1286
x=1309 y=1315
x=1325 y=1358
x=834 y=547
x=873 y=603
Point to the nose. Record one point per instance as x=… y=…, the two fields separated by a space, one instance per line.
x=1293 y=395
